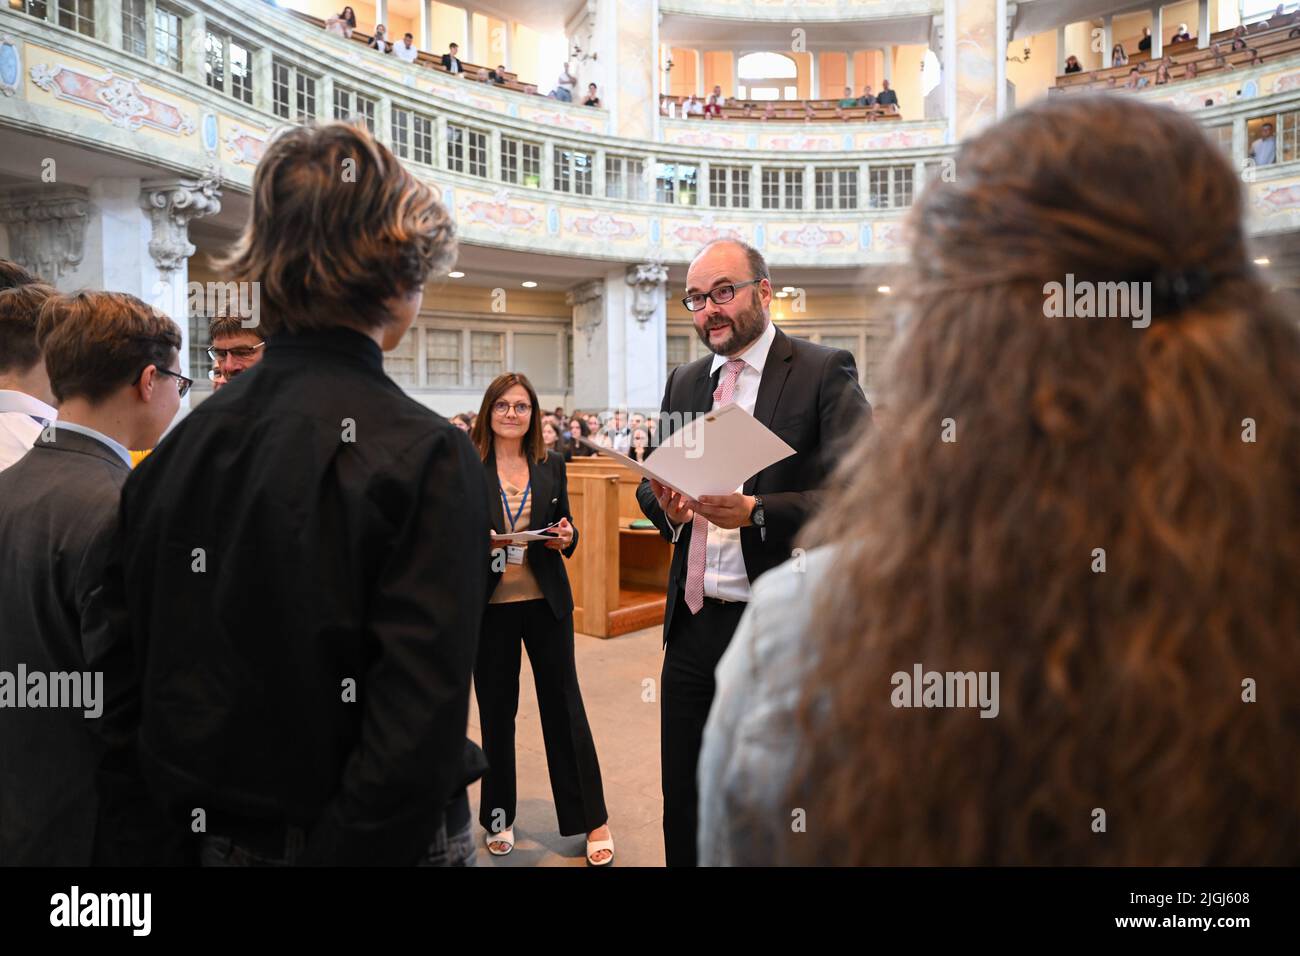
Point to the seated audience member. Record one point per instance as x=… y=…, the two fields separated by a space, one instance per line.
x=1220 y=61
x=1237 y=44
x=769 y=111
x=554 y=441
x=499 y=76
x=640 y=446
x=1117 y=56
x=848 y=100
x=1190 y=72
x=1162 y=70
x=1180 y=35
x=361 y=509
x=1254 y=59
x=714 y=104
x=809 y=113
x=693 y=107
x=592 y=99
x=748 y=111
x=565 y=85
x=1144 y=44
x=460 y=422
x=26 y=402
x=867 y=98
x=342 y=24
x=922 y=556
x=407 y=51
x=451 y=59
x=380 y=40
x=482 y=75
x=114 y=366
x=578 y=428
x=1072 y=64
x=234 y=348
x=1263 y=151
x=887 y=96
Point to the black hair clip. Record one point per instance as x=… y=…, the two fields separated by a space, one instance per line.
x=1175 y=290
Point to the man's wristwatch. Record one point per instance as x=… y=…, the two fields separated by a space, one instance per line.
x=756 y=516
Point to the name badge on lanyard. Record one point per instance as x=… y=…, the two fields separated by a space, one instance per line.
x=515 y=552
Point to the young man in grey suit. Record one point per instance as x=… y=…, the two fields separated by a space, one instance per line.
x=808 y=395
x=113 y=365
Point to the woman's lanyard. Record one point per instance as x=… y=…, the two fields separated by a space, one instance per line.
x=522 y=502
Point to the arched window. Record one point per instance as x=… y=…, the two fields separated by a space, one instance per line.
x=767 y=76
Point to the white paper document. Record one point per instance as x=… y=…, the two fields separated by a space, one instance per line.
x=713 y=455
x=538 y=534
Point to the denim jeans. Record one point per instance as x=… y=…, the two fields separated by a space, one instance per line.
x=223 y=851
x=456 y=849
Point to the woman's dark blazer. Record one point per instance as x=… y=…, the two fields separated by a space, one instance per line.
x=549 y=499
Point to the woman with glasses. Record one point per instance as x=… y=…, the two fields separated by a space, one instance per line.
x=530 y=604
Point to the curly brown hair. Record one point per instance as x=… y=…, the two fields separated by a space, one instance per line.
x=1123 y=690
x=337 y=225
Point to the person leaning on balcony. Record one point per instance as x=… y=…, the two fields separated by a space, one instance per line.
x=887 y=96
x=867 y=98
x=451 y=59
x=1117 y=56
x=848 y=101
x=592 y=99
x=407 y=51
x=498 y=76
x=565 y=85
x=380 y=40
x=1136 y=80
x=343 y=24
x=1072 y=64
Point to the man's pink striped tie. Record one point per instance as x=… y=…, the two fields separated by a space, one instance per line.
x=697 y=556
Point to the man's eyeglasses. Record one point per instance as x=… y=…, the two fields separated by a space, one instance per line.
x=182 y=383
x=239 y=352
x=520 y=408
x=721 y=295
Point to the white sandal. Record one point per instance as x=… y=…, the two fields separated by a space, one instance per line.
x=506 y=836
x=595 y=846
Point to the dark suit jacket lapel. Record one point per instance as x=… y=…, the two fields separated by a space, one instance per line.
x=539 y=474
x=496 y=511
x=702 y=397
x=775 y=371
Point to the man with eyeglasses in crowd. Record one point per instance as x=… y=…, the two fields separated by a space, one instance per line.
x=234 y=349
x=114 y=367
x=808 y=395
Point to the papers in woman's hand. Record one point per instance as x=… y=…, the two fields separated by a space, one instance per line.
x=716 y=453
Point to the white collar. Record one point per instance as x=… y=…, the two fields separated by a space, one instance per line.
x=14 y=401
x=755 y=356
x=113 y=445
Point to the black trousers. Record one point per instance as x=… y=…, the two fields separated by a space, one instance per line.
x=570 y=751
x=696 y=643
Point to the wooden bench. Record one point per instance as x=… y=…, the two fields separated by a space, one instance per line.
x=619 y=574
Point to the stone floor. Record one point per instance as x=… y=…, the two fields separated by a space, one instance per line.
x=623 y=711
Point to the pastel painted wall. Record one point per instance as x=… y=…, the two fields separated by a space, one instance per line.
x=1032 y=80
x=448 y=25
x=906 y=81
x=681 y=80
x=719 y=70
x=833 y=70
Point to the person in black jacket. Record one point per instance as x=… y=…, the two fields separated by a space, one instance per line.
x=301 y=562
x=531 y=603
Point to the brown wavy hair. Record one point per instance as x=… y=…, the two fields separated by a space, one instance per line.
x=1123 y=690
x=534 y=449
x=337 y=225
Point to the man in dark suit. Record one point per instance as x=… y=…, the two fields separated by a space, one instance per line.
x=113 y=365
x=809 y=396
x=451 y=59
